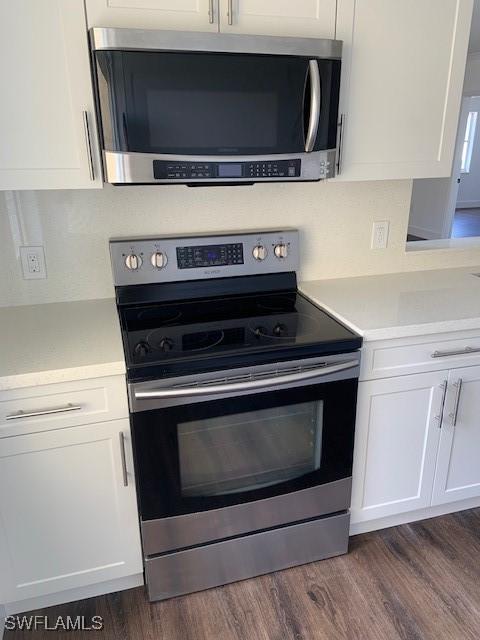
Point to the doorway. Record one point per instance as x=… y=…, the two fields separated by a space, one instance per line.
x=444 y=208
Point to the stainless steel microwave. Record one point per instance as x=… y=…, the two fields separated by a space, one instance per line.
x=203 y=109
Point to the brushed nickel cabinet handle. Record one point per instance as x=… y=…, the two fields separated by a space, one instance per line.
x=340 y=137
x=439 y=416
x=124 y=459
x=211 y=15
x=456 y=404
x=230 y=12
x=455 y=352
x=42 y=412
x=86 y=128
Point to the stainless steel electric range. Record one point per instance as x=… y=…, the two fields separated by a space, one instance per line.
x=242 y=398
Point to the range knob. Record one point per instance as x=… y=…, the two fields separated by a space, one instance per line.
x=165 y=344
x=259 y=252
x=133 y=262
x=281 y=250
x=159 y=260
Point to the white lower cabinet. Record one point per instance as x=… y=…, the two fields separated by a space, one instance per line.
x=458 y=466
x=397 y=434
x=68 y=515
x=417 y=441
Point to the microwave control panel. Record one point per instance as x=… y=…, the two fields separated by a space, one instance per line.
x=166 y=170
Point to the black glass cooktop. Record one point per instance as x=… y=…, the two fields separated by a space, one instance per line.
x=176 y=338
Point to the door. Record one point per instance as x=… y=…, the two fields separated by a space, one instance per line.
x=183 y=104
x=180 y=15
x=458 y=466
x=401 y=91
x=397 y=433
x=210 y=454
x=304 y=18
x=66 y=517
x=47 y=118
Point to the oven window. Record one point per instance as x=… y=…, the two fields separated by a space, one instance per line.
x=198 y=456
x=248 y=451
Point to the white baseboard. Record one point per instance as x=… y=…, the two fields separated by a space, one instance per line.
x=71 y=595
x=468 y=204
x=427 y=234
x=411 y=516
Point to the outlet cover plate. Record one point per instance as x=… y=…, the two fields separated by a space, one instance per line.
x=33 y=262
x=380 y=231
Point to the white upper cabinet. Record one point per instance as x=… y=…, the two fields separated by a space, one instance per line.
x=47 y=122
x=404 y=64
x=458 y=467
x=396 y=442
x=180 y=15
x=68 y=514
x=304 y=18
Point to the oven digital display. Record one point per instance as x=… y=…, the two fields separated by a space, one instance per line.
x=213 y=255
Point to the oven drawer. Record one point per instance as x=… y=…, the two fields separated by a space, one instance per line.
x=64 y=404
x=200 y=568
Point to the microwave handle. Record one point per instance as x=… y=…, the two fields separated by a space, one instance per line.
x=315 y=101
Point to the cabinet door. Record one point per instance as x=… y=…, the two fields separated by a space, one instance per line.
x=396 y=443
x=182 y=15
x=67 y=519
x=306 y=18
x=47 y=121
x=458 y=466
x=403 y=70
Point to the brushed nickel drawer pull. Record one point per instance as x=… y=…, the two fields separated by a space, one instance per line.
x=43 y=412
x=230 y=12
x=455 y=352
x=124 y=459
x=211 y=15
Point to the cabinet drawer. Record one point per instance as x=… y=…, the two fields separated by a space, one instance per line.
x=66 y=404
x=387 y=358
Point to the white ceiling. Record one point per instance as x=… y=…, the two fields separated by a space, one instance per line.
x=474 y=46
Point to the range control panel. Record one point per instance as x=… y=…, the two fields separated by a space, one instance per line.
x=225 y=171
x=167 y=259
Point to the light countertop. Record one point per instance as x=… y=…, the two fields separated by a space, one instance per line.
x=402 y=304
x=59 y=342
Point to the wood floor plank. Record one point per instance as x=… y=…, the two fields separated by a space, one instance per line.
x=414 y=582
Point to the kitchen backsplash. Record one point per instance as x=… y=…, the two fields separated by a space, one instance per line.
x=335 y=220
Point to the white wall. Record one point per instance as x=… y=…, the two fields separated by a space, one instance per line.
x=335 y=220
x=469 y=191
x=429 y=208
x=471 y=86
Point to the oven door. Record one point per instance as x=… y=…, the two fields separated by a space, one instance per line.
x=179 y=106
x=217 y=460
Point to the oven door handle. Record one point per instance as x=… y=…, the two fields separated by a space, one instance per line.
x=251 y=385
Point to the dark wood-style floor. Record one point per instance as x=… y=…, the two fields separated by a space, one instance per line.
x=466 y=223
x=413 y=582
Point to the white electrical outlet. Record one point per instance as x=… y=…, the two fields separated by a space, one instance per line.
x=33 y=262
x=380 y=234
